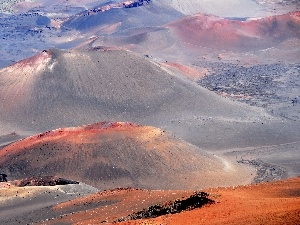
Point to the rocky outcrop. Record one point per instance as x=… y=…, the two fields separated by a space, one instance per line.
x=125 y=4
x=196 y=200
x=44 y=181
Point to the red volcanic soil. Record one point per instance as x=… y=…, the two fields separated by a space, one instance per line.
x=214 y=32
x=267 y=203
x=24 y=73
x=191 y=73
x=72 y=132
x=32 y=63
x=5 y=185
x=109 y=155
x=116 y=204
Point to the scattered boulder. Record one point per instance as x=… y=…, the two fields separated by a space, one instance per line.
x=3 y=177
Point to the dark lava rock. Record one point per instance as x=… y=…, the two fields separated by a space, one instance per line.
x=196 y=200
x=3 y=177
x=44 y=181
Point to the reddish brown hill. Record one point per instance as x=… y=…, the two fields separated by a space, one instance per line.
x=109 y=155
x=215 y=32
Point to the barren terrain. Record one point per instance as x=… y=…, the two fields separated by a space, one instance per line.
x=150 y=111
x=267 y=203
x=111 y=155
x=71 y=88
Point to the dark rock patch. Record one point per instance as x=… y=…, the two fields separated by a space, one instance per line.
x=3 y=177
x=265 y=171
x=196 y=200
x=44 y=181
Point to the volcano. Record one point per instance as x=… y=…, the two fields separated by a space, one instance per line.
x=109 y=155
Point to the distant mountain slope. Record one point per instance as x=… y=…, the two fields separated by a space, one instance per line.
x=69 y=88
x=109 y=155
x=230 y=8
x=218 y=33
x=202 y=37
x=95 y=20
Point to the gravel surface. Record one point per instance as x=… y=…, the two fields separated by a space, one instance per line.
x=274 y=87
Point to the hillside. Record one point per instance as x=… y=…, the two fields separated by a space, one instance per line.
x=69 y=88
x=110 y=155
x=218 y=33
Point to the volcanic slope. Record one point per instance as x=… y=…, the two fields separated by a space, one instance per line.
x=232 y=8
x=69 y=88
x=218 y=33
x=110 y=19
x=109 y=155
x=208 y=37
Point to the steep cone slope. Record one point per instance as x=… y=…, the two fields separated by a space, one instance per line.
x=57 y=89
x=109 y=155
x=218 y=33
x=69 y=88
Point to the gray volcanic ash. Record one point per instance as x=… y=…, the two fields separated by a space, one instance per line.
x=208 y=38
x=234 y=8
x=70 y=88
x=125 y=16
